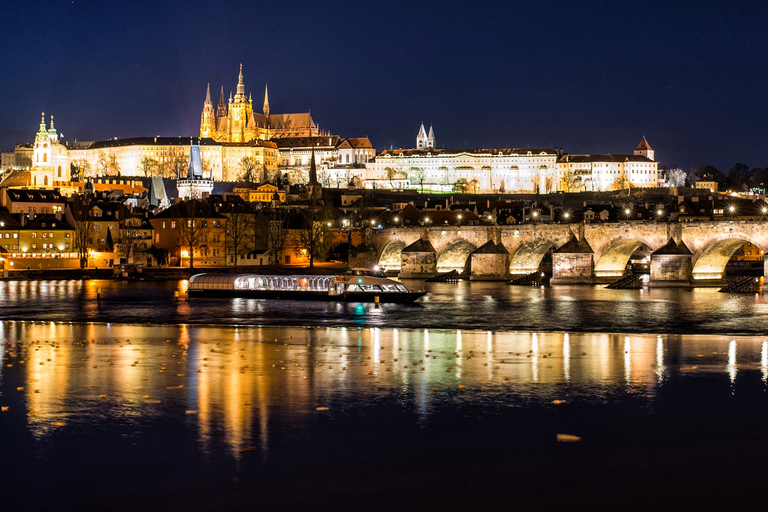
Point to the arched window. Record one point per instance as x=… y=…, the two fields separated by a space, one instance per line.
x=59 y=171
x=45 y=157
x=45 y=181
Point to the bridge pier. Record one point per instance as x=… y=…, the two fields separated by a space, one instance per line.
x=489 y=262
x=671 y=265
x=418 y=260
x=573 y=263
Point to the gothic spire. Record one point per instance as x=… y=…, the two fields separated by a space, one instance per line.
x=208 y=95
x=221 y=111
x=312 y=168
x=240 y=96
x=266 y=101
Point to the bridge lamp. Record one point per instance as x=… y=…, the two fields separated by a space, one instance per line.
x=627 y=212
x=764 y=210
x=659 y=212
x=731 y=209
x=397 y=219
x=566 y=215
x=426 y=219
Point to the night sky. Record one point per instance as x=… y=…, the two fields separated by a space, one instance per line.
x=585 y=76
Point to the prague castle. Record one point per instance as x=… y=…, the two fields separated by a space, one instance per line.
x=236 y=121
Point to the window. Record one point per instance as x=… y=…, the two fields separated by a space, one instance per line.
x=163 y=224
x=34 y=234
x=173 y=224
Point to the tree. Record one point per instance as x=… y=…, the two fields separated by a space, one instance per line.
x=148 y=166
x=110 y=243
x=676 y=177
x=240 y=224
x=130 y=236
x=314 y=237
x=738 y=177
x=473 y=185
x=418 y=177
x=461 y=185
x=249 y=170
x=191 y=228
x=276 y=234
x=79 y=215
x=502 y=187
x=79 y=169
x=709 y=173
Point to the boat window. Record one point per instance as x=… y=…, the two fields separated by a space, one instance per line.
x=353 y=288
x=401 y=288
x=389 y=287
x=370 y=288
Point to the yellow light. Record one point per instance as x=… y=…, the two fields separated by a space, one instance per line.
x=566 y=215
x=185 y=254
x=397 y=219
x=626 y=211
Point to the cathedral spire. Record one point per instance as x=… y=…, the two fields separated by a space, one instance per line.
x=240 y=96
x=221 y=111
x=266 y=101
x=208 y=95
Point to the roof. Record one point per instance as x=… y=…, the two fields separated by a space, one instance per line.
x=490 y=247
x=306 y=142
x=643 y=145
x=49 y=223
x=35 y=195
x=673 y=247
x=434 y=151
x=604 y=158
x=576 y=246
x=420 y=245
x=355 y=143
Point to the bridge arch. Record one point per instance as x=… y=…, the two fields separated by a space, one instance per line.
x=613 y=259
x=528 y=256
x=710 y=261
x=390 y=255
x=455 y=256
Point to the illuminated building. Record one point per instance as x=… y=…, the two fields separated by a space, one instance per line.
x=196 y=184
x=508 y=170
x=236 y=121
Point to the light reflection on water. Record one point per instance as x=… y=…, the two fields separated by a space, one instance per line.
x=232 y=385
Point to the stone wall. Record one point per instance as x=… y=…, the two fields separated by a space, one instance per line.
x=418 y=265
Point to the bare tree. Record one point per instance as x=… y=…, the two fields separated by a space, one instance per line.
x=276 y=234
x=148 y=166
x=240 y=225
x=249 y=170
x=314 y=237
x=191 y=227
x=418 y=177
x=676 y=177
x=79 y=215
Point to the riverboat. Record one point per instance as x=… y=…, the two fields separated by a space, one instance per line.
x=354 y=287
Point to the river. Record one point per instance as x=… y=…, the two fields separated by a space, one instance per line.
x=483 y=396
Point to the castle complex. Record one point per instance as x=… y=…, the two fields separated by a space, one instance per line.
x=236 y=141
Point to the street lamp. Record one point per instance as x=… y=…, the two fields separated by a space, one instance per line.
x=458 y=219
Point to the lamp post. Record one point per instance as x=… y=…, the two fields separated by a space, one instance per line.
x=458 y=220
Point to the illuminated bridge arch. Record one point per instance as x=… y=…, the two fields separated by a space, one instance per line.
x=390 y=256
x=454 y=257
x=710 y=262
x=613 y=259
x=527 y=258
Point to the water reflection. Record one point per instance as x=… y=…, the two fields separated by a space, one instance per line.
x=231 y=384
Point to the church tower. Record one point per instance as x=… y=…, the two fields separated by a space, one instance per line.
x=421 y=138
x=644 y=149
x=207 y=118
x=431 y=138
x=240 y=111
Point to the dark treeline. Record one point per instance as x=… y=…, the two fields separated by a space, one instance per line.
x=740 y=177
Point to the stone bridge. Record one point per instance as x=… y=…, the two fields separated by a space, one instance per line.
x=681 y=253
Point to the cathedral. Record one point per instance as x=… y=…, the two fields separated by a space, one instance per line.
x=236 y=121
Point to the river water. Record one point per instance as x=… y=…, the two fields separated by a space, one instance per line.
x=483 y=397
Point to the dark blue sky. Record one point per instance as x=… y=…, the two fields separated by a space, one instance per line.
x=586 y=76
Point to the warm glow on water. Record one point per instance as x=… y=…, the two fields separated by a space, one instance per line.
x=103 y=411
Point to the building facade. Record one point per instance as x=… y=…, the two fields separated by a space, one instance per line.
x=236 y=121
